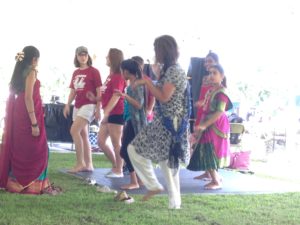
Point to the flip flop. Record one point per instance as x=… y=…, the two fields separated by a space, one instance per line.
x=123 y=197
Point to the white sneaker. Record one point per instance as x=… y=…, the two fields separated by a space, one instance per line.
x=114 y=175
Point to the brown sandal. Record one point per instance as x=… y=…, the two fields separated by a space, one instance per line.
x=123 y=197
x=52 y=190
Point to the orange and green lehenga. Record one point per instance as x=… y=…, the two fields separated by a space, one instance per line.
x=212 y=149
x=35 y=187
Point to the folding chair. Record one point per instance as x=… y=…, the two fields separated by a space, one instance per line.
x=236 y=133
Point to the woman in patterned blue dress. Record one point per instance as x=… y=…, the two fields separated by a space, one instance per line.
x=154 y=142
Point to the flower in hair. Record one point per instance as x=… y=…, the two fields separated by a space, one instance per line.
x=19 y=57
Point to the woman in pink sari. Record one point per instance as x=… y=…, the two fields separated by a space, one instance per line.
x=212 y=149
x=24 y=152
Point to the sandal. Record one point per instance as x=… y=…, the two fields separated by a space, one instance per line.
x=123 y=197
x=52 y=190
x=120 y=196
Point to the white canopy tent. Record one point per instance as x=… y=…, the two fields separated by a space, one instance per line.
x=255 y=40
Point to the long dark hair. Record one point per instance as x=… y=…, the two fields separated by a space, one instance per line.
x=221 y=71
x=132 y=67
x=166 y=51
x=22 y=68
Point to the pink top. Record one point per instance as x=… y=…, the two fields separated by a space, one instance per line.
x=112 y=83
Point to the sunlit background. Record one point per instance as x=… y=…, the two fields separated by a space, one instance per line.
x=257 y=41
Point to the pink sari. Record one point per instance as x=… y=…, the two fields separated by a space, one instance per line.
x=218 y=133
x=23 y=157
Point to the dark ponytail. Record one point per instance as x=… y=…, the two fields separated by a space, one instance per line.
x=22 y=68
x=132 y=67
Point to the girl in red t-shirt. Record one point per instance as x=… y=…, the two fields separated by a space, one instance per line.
x=85 y=79
x=113 y=108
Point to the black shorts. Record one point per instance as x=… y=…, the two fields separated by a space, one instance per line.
x=116 y=119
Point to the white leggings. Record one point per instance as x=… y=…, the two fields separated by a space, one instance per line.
x=144 y=169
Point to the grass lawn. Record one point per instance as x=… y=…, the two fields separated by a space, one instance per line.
x=81 y=204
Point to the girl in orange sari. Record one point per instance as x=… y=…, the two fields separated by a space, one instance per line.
x=24 y=153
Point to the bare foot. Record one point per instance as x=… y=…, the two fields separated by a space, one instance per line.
x=213 y=186
x=208 y=184
x=204 y=176
x=130 y=186
x=76 y=169
x=150 y=194
x=87 y=169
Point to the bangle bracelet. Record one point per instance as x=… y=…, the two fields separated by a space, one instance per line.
x=34 y=125
x=31 y=112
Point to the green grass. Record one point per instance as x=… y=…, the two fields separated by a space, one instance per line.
x=81 y=204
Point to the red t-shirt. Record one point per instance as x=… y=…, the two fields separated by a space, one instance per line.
x=83 y=81
x=113 y=82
